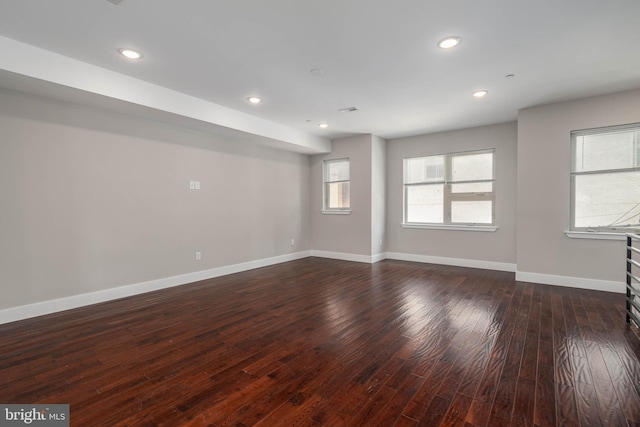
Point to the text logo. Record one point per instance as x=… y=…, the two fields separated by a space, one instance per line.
x=34 y=415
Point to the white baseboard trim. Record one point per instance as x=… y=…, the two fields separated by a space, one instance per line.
x=572 y=282
x=458 y=262
x=378 y=257
x=369 y=259
x=53 y=306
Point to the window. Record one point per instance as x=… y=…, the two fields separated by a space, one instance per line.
x=450 y=189
x=605 y=179
x=336 y=186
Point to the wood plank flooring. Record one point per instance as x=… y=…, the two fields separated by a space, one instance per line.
x=320 y=342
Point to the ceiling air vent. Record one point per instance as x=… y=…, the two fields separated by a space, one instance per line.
x=348 y=110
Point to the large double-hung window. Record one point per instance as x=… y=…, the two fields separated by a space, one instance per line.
x=605 y=179
x=450 y=189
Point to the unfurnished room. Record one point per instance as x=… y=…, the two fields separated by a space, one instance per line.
x=319 y=213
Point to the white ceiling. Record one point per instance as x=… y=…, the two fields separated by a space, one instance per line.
x=378 y=55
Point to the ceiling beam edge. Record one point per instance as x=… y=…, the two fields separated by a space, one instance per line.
x=34 y=62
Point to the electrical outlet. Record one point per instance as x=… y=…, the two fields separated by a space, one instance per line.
x=293 y=242
x=198 y=256
x=192 y=185
x=197 y=185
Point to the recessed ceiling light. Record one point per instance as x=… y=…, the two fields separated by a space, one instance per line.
x=254 y=100
x=323 y=125
x=130 y=53
x=480 y=93
x=449 y=42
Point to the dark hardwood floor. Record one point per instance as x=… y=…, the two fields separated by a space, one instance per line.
x=319 y=342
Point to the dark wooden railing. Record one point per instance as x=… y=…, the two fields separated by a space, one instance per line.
x=633 y=279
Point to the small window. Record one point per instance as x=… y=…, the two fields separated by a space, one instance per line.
x=336 y=186
x=451 y=189
x=605 y=179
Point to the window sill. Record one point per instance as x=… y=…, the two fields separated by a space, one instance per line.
x=486 y=228
x=344 y=212
x=595 y=235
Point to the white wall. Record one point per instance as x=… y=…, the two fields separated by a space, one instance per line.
x=378 y=195
x=544 y=253
x=473 y=248
x=93 y=200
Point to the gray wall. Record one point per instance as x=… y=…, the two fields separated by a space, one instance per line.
x=544 y=163
x=498 y=246
x=350 y=234
x=92 y=200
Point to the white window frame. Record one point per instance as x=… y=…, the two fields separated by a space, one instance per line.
x=325 y=208
x=449 y=196
x=606 y=232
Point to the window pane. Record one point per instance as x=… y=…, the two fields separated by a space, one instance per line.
x=337 y=170
x=607 y=200
x=614 y=150
x=425 y=203
x=471 y=212
x=424 y=169
x=337 y=195
x=472 y=187
x=471 y=167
